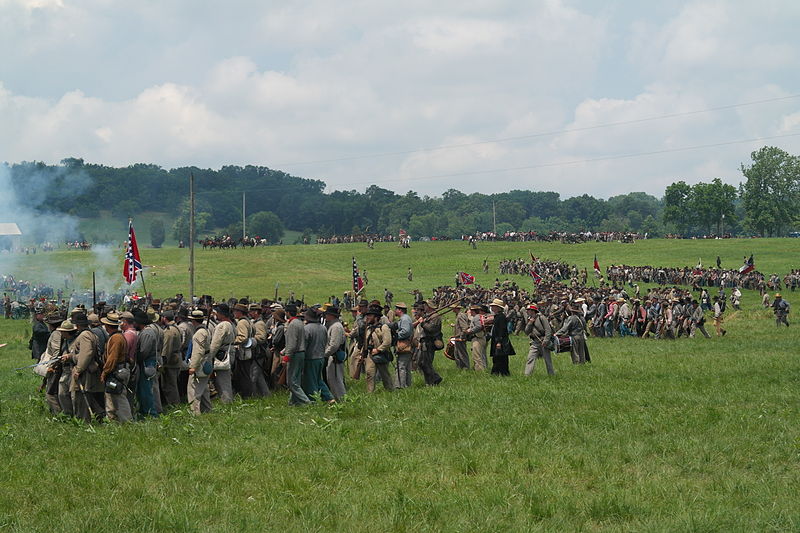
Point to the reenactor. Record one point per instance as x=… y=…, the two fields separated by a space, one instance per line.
x=86 y=388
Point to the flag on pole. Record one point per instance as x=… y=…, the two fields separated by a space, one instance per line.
x=358 y=283
x=596 y=265
x=699 y=263
x=465 y=279
x=748 y=266
x=536 y=277
x=533 y=259
x=133 y=262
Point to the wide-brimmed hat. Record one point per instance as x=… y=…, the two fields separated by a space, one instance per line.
x=93 y=318
x=223 y=309
x=255 y=307
x=56 y=319
x=126 y=315
x=377 y=311
x=197 y=314
x=401 y=305
x=579 y=300
x=279 y=315
x=498 y=302
x=80 y=319
x=111 y=319
x=152 y=315
x=66 y=325
x=240 y=307
x=777 y=295
x=169 y=315
x=140 y=317
x=475 y=308
x=332 y=310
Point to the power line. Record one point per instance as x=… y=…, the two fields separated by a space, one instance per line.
x=542 y=134
x=541 y=165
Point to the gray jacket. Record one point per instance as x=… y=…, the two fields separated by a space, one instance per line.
x=316 y=339
x=295 y=337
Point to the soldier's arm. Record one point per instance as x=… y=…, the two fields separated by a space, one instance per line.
x=241 y=332
x=386 y=339
x=199 y=343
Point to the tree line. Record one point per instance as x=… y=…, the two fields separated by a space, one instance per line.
x=765 y=203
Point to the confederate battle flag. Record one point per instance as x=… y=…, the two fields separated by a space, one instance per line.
x=748 y=266
x=465 y=279
x=133 y=262
x=596 y=265
x=358 y=283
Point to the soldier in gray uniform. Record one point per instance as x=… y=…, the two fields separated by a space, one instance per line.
x=573 y=326
x=540 y=333
x=294 y=354
x=222 y=342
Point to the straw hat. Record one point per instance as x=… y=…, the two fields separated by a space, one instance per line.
x=66 y=326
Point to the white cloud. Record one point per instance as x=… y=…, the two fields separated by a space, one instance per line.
x=304 y=82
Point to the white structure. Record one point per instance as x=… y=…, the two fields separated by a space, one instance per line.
x=12 y=232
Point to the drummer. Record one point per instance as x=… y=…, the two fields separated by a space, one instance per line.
x=574 y=327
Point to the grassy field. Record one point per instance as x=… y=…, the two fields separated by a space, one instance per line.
x=687 y=435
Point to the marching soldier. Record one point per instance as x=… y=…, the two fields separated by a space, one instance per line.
x=260 y=368
x=405 y=330
x=573 y=326
x=171 y=356
x=222 y=341
x=540 y=333
x=335 y=351
x=781 y=309
x=460 y=328
x=116 y=370
x=86 y=386
x=201 y=365
x=242 y=370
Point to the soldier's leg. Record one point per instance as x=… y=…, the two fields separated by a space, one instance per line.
x=155 y=383
x=52 y=393
x=548 y=361
x=64 y=395
x=192 y=396
x=169 y=382
x=335 y=372
x=121 y=406
x=370 y=369
x=383 y=370
x=530 y=364
x=462 y=358
x=702 y=329
x=482 y=353
x=224 y=384
x=295 y=379
x=258 y=377
x=404 y=370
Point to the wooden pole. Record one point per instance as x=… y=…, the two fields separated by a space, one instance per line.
x=192 y=238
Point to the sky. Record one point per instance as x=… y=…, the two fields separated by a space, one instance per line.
x=577 y=97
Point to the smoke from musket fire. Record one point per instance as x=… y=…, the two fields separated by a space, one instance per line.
x=23 y=200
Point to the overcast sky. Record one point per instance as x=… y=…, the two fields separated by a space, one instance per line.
x=356 y=93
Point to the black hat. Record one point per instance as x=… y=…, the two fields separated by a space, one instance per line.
x=374 y=310
x=291 y=309
x=80 y=319
x=140 y=317
x=224 y=309
x=332 y=310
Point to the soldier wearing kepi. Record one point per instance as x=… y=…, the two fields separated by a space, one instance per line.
x=781 y=309
x=540 y=333
x=201 y=365
x=86 y=386
x=116 y=372
x=294 y=354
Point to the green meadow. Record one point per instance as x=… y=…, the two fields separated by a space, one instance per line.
x=686 y=435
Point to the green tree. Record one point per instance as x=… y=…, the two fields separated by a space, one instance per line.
x=265 y=224
x=677 y=211
x=180 y=229
x=771 y=190
x=157 y=232
x=711 y=203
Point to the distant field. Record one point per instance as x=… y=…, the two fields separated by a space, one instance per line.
x=686 y=435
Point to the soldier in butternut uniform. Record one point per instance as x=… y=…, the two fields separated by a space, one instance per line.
x=242 y=373
x=200 y=365
x=476 y=333
x=460 y=328
x=118 y=407
x=377 y=341
x=86 y=386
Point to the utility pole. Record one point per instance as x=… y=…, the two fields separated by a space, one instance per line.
x=722 y=226
x=244 y=215
x=191 y=238
x=494 y=219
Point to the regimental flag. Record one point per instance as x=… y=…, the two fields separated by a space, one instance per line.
x=533 y=259
x=748 y=266
x=358 y=282
x=133 y=262
x=465 y=279
x=537 y=279
x=596 y=265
